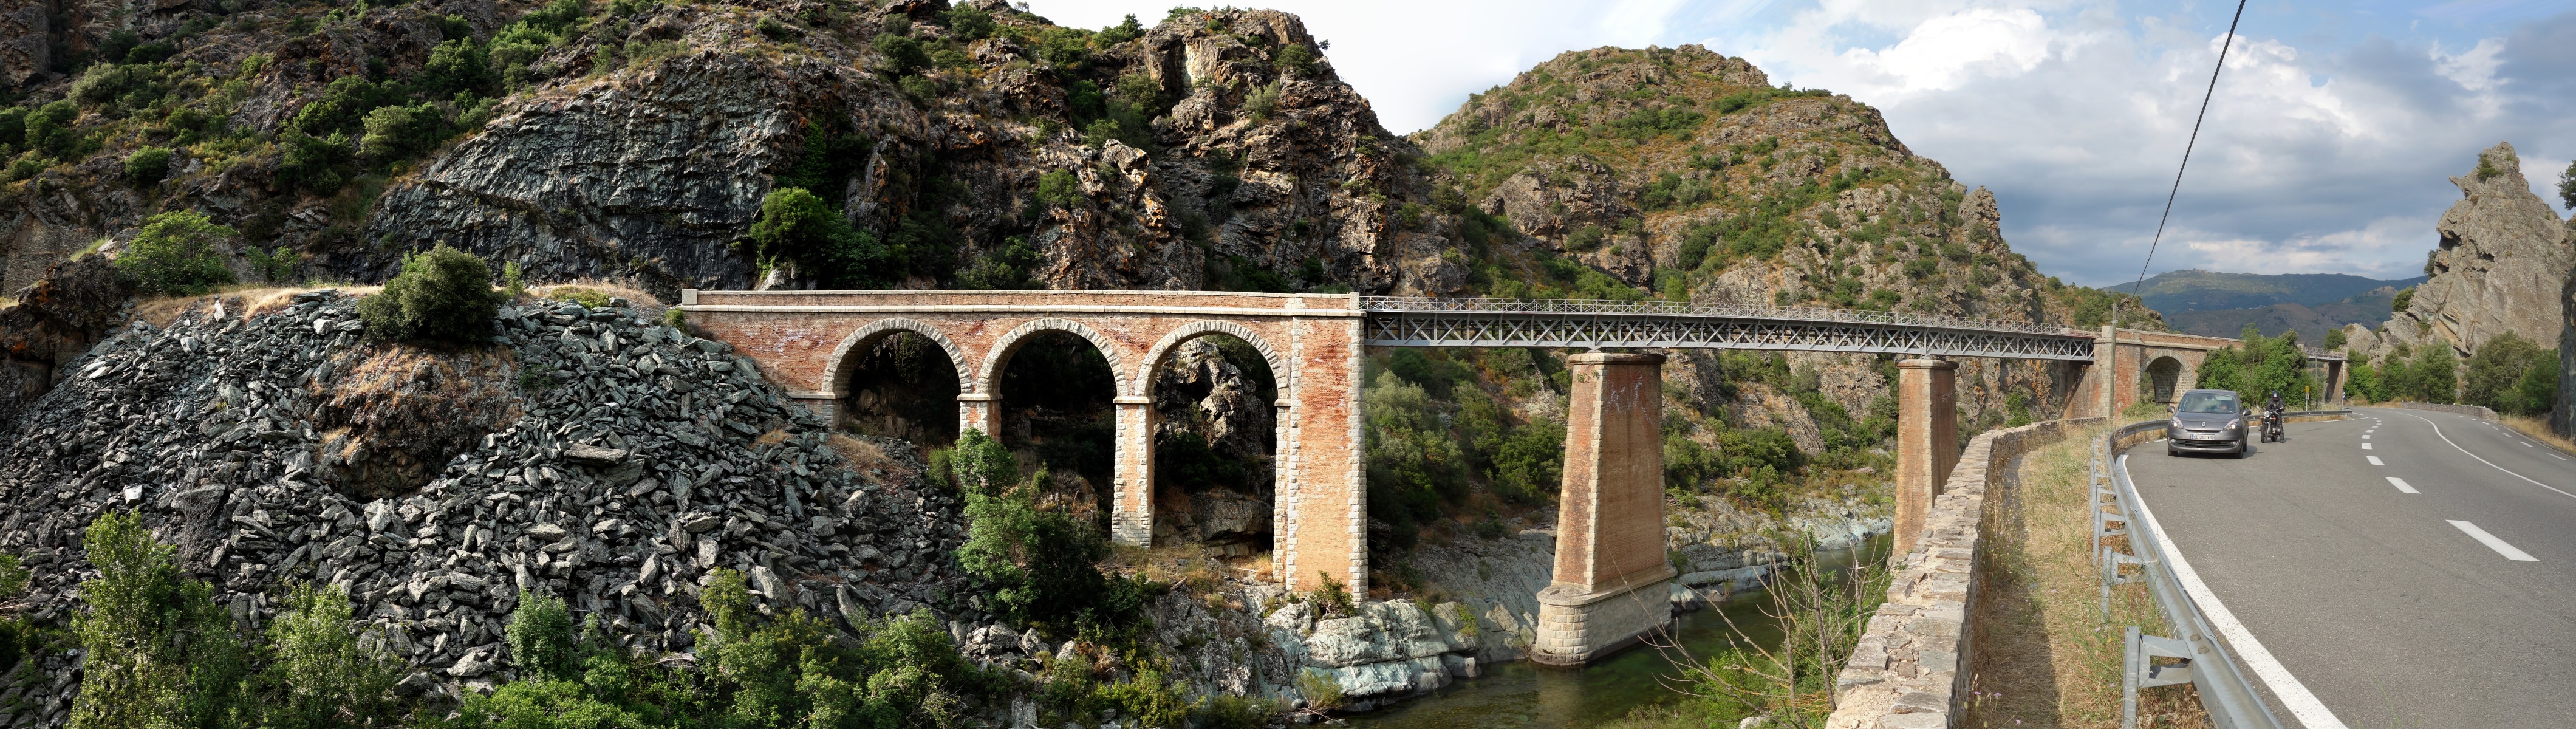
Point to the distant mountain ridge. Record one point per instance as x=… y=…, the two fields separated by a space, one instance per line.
x=2173 y=292
x=2370 y=309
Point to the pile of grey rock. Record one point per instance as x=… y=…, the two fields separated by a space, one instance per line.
x=640 y=460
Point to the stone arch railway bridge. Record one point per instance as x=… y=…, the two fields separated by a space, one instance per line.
x=1610 y=529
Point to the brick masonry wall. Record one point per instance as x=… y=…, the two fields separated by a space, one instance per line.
x=803 y=340
x=1905 y=672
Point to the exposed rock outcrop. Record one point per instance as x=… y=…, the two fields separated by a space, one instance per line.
x=2504 y=258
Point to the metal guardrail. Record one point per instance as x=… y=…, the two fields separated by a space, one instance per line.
x=1471 y=304
x=1477 y=322
x=2225 y=691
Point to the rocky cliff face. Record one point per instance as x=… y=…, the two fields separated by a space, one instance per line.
x=638 y=142
x=2504 y=256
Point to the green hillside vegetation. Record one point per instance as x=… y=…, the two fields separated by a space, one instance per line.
x=2315 y=323
x=2174 y=292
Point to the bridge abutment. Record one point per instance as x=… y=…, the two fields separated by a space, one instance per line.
x=1611 y=572
x=1927 y=441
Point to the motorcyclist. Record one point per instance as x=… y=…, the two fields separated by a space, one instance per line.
x=2272 y=416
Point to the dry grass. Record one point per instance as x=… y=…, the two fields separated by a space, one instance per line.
x=645 y=305
x=6 y=302
x=863 y=456
x=1184 y=566
x=2048 y=656
x=240 y=301
x=2538 y=429
x=396 y=414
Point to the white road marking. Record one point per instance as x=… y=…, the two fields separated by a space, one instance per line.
x=2374 y=460
x=2437 y=430
x=2559 y=457
x=2365 y=446
x=2365 y=436
x=2526 y=445
x=2493 y=543
x=2293 y=695
x=2401 y=485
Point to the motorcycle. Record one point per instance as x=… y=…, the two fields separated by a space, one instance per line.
x=2272 y=432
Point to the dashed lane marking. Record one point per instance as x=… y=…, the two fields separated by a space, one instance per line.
x=2437 y=430
x=2493 y=543
x=2365 y=446
x=2374 y=460
x=2401 y=485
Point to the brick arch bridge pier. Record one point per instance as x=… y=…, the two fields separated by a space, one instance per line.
x=1611 y=569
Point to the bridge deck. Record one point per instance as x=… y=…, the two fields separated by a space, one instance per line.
x=1479 y=322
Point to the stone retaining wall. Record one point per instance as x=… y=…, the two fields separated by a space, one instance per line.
x=1904 y=674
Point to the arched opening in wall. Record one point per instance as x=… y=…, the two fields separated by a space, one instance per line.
x=1215 y=443
x=2162 y=374
x=903 y=386
x=1056 y=393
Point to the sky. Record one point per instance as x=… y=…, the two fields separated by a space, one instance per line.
x=2327 y=148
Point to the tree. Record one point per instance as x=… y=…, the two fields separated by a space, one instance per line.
x=159 y=651
x=2567 y=187
x=2405 y=296
x=326 y=678
x=796 y=227
x=175 y=255
x=2334 y=338
x=443 y=295
x=2259 y=367
x=2496 y=370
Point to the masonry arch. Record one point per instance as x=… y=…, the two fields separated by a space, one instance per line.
x=1216 y=394
x=988 y=377
x=2164 y=373
x=898 y=378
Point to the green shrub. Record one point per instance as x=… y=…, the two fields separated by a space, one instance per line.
x=1588 y=238
x=146 y=166
x=2261 y=366
x=797 y=227
x=2405 y=297
x=541 y=638
x=1260 y=102
x=1004 y=268
x=1124 y=31
x=1319 y=689
x=1294 y=60
x=675 y=318
x=969 y=23
x=176 y=255
x=1043 y=565
x=325 y=677
x=159 y=651
x=903 y=55
x=1059 y=188
x=312 y=163
x=443 y=295
x=398 y=131
x=1413 y=461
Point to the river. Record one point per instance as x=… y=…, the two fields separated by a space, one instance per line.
x=1521 y=694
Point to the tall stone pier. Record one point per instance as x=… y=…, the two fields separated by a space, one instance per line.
x=1927 y=441
x=1611 y=573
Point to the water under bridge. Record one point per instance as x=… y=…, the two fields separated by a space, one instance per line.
x=1610 y=528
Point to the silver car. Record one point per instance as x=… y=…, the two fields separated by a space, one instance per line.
x=2208 y=421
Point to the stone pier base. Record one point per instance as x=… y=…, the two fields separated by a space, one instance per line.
x=1576 y=627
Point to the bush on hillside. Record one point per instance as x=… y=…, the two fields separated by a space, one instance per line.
x=176 y=255
x=796 y=227
x=322 y=676
x=147 y=166
x=159 y=651
x=443 y=295
x=2511 y=375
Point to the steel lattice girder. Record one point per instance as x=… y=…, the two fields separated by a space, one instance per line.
x=1500 y=329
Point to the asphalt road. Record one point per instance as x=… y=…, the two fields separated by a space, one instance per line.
x=2387 y=605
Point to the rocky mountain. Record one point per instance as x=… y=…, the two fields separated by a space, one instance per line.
x=2504 y=256
x=2191 y=289
x=1684 y=173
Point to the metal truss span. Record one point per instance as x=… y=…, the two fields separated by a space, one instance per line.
x=1478 y=322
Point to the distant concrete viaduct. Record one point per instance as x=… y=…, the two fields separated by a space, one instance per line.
x=1611 y=568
